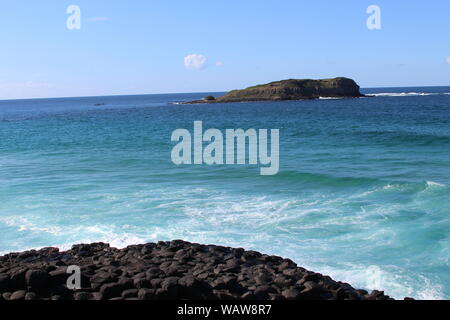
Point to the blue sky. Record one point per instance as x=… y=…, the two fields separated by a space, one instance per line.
x=138 y=47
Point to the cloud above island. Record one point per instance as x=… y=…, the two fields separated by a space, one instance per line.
x=195 y=62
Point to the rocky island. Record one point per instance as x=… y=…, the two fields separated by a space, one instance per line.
x=166 y=271
x=292 y=89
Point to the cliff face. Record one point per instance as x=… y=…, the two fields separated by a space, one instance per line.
x=293 y=89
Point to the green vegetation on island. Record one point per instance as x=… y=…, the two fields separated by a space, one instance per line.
x=292 y=89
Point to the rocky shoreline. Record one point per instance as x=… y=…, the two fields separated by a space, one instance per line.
x=166 y=271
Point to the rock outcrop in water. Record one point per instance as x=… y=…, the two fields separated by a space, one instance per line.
x=166 y=270
x=291 y=90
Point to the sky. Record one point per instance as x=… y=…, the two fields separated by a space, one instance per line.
x=153 y=46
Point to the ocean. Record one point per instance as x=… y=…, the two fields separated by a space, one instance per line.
x=362 y=195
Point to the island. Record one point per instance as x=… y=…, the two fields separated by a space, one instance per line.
x=172 y=270
x=292 y=89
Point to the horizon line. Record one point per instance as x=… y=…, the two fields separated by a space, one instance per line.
x=193 y=92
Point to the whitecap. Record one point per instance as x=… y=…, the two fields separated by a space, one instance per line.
x=435 y=184
x=404 y=94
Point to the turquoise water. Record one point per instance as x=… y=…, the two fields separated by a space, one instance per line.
x=363 y=192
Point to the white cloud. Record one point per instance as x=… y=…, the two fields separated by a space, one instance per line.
x=219 y=63
x=448 y=60
x=195 y=61
x=95 y=19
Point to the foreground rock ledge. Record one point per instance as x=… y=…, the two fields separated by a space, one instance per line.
x=166 y=270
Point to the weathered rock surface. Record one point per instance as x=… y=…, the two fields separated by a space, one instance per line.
x=292 y=89
x=166 y=270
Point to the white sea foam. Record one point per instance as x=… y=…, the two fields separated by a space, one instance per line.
x=376 y=190
x=395 y=282
x=406 y=94
x=23 y=224
x=401 y=94
x=435 y=184
x=304 y=229
x=90 y=234
x=116 y=241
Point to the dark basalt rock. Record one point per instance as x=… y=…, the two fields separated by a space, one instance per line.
x=290 y=294
x=4 y=282
x=31 y=296
x=111 y=290
x=130 y=293
x=292 y=89
x=82 y=296
x=37 y=280
x=18 y=295
x=17 y=277
x=166 y=270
